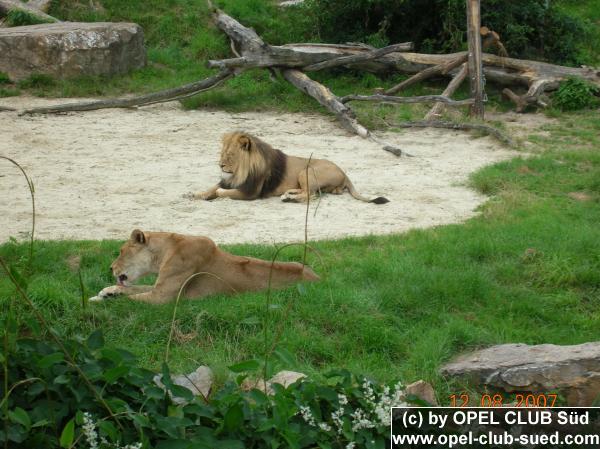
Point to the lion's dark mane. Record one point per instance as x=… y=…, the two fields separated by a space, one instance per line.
x=256 y=184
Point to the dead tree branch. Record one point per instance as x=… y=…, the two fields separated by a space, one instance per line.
x=326 y=98
x=176 y=93
x=458 y=78
x=462 y=126
x=418 y=99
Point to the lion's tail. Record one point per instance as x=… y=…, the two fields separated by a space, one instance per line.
x=358 y=196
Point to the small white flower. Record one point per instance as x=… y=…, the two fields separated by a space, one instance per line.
x=307 y=415
x=89 y=431
x=360 y=420
x=343 y=399
x=350 y=445
x=336 y=417
x=324 y=426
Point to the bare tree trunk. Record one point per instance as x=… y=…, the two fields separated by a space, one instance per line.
x=474 y=62
x=438 y=108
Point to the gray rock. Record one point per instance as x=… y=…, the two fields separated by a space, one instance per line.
x=199 y=382
x=572 y=370
x=70 y=49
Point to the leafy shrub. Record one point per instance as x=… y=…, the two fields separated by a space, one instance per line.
x=17 y=17
x=529 y=28
x=575 y=93
x=48 y=403
x=4 y=79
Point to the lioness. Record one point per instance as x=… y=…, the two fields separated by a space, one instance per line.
x=176 y=257
x=252 y=169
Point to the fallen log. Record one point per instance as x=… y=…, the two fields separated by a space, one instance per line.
x=438 y=108
x=418 y=99
x=440 y=69
x=162 y=96
x=14 y=5
x=361 y=57
x=532 y=96
x=460 y=126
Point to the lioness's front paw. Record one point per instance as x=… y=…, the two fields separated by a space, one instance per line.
x=107 y=292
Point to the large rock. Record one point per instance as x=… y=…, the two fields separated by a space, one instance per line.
x=70 y=49
x=572 y=370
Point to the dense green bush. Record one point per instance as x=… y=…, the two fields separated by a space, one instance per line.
x=529 y=28
x=574 y=94
x=46 y=402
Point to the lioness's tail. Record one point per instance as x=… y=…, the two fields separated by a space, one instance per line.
x=358 y=196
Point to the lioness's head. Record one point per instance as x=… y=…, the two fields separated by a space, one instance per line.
x=135 y=259
x=244 y=155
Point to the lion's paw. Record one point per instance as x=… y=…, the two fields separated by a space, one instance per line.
x=206 y=196
x=289 y=197
x=189 y=196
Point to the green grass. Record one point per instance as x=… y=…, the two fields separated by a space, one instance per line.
x=526 y=270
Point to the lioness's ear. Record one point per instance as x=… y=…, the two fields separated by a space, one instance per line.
x=138 y=236
x=245 y=143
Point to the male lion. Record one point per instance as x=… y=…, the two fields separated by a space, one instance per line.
x=177 y=257
x=252 y=169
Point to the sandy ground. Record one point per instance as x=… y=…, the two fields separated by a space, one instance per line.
x=100 y=174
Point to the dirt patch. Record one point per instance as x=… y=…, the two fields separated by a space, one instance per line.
x=100 y=174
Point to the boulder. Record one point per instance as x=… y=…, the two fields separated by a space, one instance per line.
x=572 y=370
x=70 y=49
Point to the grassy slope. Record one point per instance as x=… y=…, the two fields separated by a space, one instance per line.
x=526 y=270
